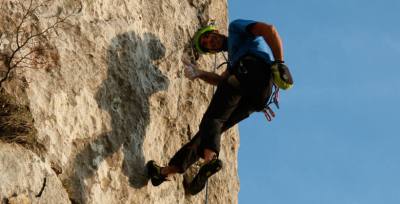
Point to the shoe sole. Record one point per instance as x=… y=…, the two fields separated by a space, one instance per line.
x=199 y=182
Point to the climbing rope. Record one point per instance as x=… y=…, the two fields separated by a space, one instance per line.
x=214 y=70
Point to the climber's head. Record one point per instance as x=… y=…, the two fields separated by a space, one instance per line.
x=209 y=40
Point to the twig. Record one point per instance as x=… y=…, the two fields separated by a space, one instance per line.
x=22 y=20
x=1 y=36
x=25 y=57
x=5 y=77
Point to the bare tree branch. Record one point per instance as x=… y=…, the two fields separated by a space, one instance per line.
x=25 y=57
x=6 y=76
x=26 y=49
x=22 y=20
x=1 y=37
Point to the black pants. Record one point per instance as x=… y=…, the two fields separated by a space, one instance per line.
x=229 y=105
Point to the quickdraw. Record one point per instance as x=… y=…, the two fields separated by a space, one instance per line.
x=274 y=99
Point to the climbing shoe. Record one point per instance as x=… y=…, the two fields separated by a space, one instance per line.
x=200 y=180
x=154 y=172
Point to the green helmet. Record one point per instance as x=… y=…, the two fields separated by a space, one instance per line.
x=198 y=35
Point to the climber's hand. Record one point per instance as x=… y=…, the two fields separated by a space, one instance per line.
x=191 y=70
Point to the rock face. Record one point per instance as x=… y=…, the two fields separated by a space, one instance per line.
x=25 y=178
x=117 y=99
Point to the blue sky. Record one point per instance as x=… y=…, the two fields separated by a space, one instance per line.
x=335 y=139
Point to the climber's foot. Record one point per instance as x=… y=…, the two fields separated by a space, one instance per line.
x=200 y=180
x=154 y=172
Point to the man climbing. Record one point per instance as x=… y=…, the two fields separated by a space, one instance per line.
x=245 y=87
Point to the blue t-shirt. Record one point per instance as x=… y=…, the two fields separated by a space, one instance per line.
x=241 y=42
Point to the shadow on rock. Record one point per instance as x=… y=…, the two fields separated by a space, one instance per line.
x=131 y=79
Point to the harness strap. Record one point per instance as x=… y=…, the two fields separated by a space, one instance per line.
x=220 y=65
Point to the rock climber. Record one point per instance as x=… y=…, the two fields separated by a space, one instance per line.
x=243 y=88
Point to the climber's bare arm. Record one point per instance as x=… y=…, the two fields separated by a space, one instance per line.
x=211 y=77
x=271 y=36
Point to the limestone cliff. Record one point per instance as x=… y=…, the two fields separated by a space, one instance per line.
x=115 y=98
